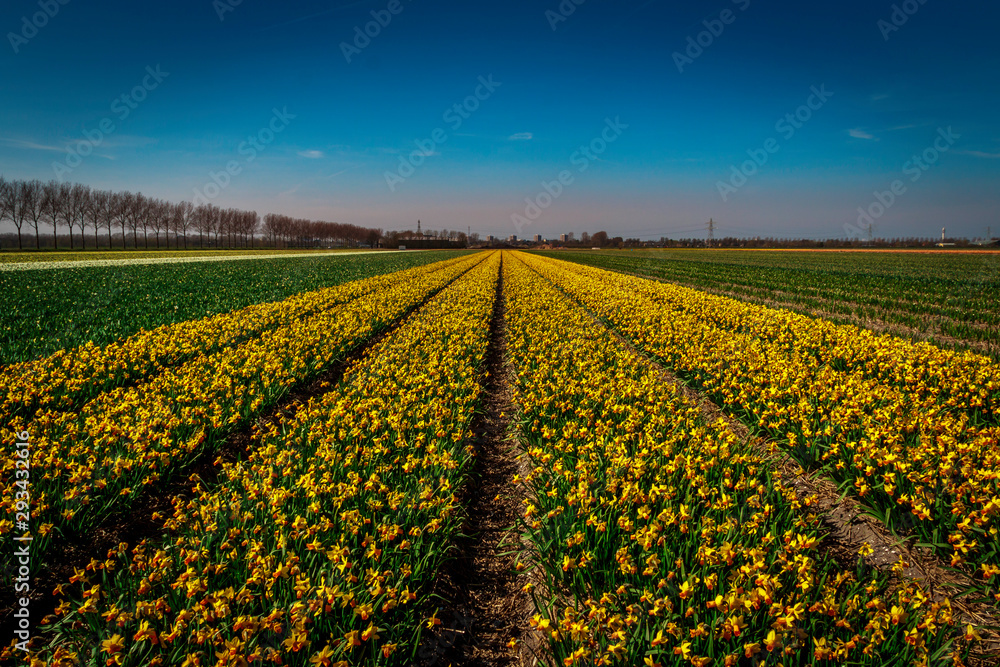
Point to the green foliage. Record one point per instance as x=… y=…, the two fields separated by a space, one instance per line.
x=951 y=297
x=53 y=309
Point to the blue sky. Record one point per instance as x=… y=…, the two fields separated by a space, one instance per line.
x=557 y=82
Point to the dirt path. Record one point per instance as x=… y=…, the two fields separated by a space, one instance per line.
x=487 y=608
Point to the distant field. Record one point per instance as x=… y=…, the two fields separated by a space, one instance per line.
x=949 y=298
x=44 y=312
x=79 y=256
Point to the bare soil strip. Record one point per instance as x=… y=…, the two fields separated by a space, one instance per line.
x=141 y=520
x=849 y=526
x=486 y=608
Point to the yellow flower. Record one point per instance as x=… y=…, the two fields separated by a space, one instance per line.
x=324 y=658
x=113 y=645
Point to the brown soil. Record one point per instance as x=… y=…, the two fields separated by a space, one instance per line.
x=486 y=608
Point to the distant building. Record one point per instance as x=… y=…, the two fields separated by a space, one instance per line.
x=563 y=238
x=538 y=238
x=512 y=238
x=490 y=238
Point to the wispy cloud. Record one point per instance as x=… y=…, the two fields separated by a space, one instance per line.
x=858 y=133
x=982 y=154
x=311 y=154
x=30 y=145
x=521 y=136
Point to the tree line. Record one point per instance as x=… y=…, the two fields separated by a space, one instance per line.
x=35 y=208
x=296 y=231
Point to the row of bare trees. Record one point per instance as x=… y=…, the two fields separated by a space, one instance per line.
x=80 y=210
x=296 y=231
x=34 y=206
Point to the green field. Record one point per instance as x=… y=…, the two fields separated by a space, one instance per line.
x=948 y=298
x=46 y=311
x=88 y=255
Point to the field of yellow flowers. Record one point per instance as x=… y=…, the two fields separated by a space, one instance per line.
x=662 y=538
x=318 y=549
x=92 y=461
x=651 y=534
x=909 y=428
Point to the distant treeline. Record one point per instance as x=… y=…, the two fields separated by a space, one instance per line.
x=50 y=214
x=602 y=240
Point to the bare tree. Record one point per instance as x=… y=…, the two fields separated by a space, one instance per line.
x=144 y=212
x=66 y=209
x=7 y=205
x=159 y=218
x=102 y=212
x=121 y=205
x=215 y=215
x=253 y=224
x=183 y=219
x=76 y=206
x=272 y=225
x=225 y=225
x=10 y=206
x=53 y=202
x=204 y=222
x=133 y=203
x=30 y=198
x=92 y=216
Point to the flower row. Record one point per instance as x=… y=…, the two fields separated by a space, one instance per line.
x=320 y=548
x=662 y=538
x=909 y=427
x=94 y=462
x=68 y=378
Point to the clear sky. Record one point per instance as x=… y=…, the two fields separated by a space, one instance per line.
x=671 y=127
